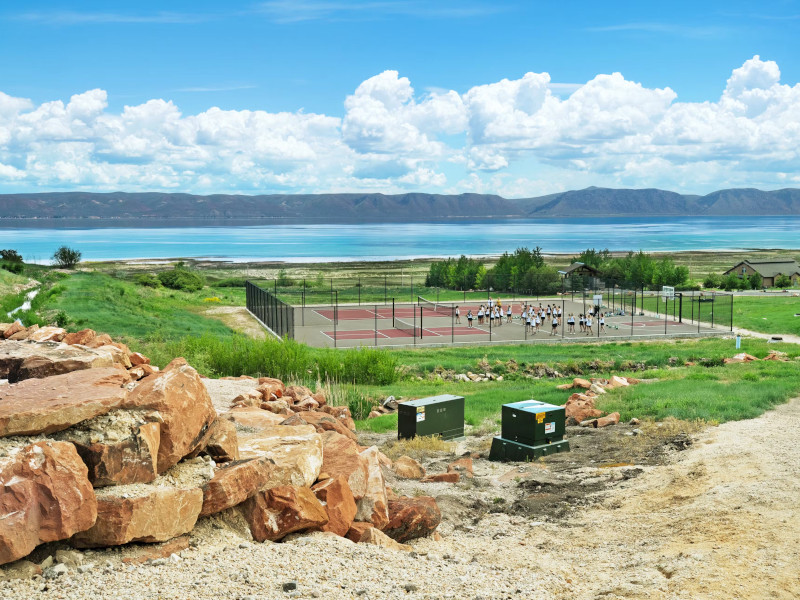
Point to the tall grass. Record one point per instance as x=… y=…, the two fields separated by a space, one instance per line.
x=289 y=360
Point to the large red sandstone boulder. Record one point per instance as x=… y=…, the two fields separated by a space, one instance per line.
x=26 y=360
x=48 y=334
x=296 y=451
x=25 y=333
x=45 y=496
x=579 y=382
x=138 y=359
x=118 y=448
x=253 y=418
x=235 y=482
x=373 y=507
x=13 y=329
x=580 y=407
x=277 y=512
x=411 y=518
x=270 y=389
x=342 y=456
x=441 y=478
x=146 y=513
x=223 y=443
x=184 y=408
x=296 y=393
x=611 y=419
x=322 y=422
x=408 y=468
x=339 y=504
x=82 y=337
x=342 y=414
x=48 y=405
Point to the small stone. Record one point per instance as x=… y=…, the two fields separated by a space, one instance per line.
x=410 y=587
x=47 y=563
x=85 y=568
x=158 y=562
x=244 y=545
x=289 y=586
x=56 y=571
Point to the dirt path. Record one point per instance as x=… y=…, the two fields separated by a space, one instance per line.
x=719 y=520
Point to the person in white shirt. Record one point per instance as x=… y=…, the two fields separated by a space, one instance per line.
x=602 y=322
x=458 y=315
x=589 y=324
x=555 y=325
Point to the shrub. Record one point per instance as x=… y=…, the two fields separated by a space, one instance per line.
x=13 y=267
x=283 y=279
x=180 y=278
x=712 y=280
x=147 y=280
x=231 y=282
x=783 y=281
x=66 y=257
x=10 y=256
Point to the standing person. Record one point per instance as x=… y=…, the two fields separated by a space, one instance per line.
x=508 y=314
x=555 y=325
x=537 y=323
x=480 y=315
x=469 y=318
x=589 y=324
x=458 y=315
x=571 y=323
x=602 y=322
x=582 y=322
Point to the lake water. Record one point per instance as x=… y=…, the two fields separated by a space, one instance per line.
x=375 y=241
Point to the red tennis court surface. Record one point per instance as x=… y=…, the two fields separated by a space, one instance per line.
x=402 y=312
x=432 y=332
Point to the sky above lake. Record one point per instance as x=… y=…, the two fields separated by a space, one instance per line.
x=308 y=96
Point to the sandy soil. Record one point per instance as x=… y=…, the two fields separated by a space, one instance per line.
x=239 y=319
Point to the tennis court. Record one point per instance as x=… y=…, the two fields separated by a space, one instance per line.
x=426 y=323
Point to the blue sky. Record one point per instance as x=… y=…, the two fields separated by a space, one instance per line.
x=517 y=98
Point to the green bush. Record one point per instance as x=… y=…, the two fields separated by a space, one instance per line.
x=180 y=278
x=10 y=256
x=13 y=267
x=66 y=258
x=147 y=280
x=783 y=281
x=233 y=282
x=712 y=280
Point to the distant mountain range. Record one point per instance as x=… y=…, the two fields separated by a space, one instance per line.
x=153 y=208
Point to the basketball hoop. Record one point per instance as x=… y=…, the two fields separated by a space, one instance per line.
x=667 y=292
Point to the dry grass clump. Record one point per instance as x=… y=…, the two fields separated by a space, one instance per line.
x=653 y=434
x=419 y=447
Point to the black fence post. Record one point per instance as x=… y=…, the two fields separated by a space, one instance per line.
x=359 y=290
x=375 y=310
x=385 y=294
x=713 y=294
x=731 y=312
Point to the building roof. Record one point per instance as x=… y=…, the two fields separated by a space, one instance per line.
x=578 y=265
x=769 y=268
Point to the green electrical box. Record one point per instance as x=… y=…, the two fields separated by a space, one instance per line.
x=530 y=429
x=438 y=415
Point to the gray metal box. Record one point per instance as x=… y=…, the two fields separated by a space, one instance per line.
x=438 y=415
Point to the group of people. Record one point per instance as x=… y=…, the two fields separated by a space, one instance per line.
x=492 y=313
x=535 y=317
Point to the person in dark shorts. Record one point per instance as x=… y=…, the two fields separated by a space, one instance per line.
x=469 y=318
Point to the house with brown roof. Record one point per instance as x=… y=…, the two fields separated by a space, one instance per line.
x=768 y=270
x=578 y=269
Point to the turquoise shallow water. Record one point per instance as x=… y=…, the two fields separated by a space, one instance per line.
x=347 y=241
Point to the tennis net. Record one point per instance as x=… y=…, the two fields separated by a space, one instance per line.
x=446 y=310
x=410 y=329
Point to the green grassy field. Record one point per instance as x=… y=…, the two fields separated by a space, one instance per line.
x=164 y=323
x=765 y=314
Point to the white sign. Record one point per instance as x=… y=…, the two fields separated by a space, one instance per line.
x=550 y=427
x=667 y=292
x=598 y=299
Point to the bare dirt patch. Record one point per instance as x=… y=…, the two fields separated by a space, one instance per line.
x=238 y=319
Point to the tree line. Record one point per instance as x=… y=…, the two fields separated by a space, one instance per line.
x=525 y=271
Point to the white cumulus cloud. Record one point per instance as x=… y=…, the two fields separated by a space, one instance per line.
x=513 y=136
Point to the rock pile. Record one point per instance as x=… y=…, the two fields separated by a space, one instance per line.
x=100 y=448
x=580 y=406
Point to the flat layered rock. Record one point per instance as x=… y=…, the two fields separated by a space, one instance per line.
x=236 y=482
x=411 y=518
x=374 y=507
x=21 y=360
x=147 y=514
x=322 y=422
x=253 y=418
x=118 y=448
x=342 y=456
x=45 y=496
x=296 y=452
x=277 y=512
x=408 y=468
x=48 y=405
x=184 y=407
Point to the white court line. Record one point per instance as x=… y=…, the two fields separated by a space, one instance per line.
x=372 y=335
x=323 y=316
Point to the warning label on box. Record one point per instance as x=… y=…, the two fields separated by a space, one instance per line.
x=550 y=427
x=420 y=417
